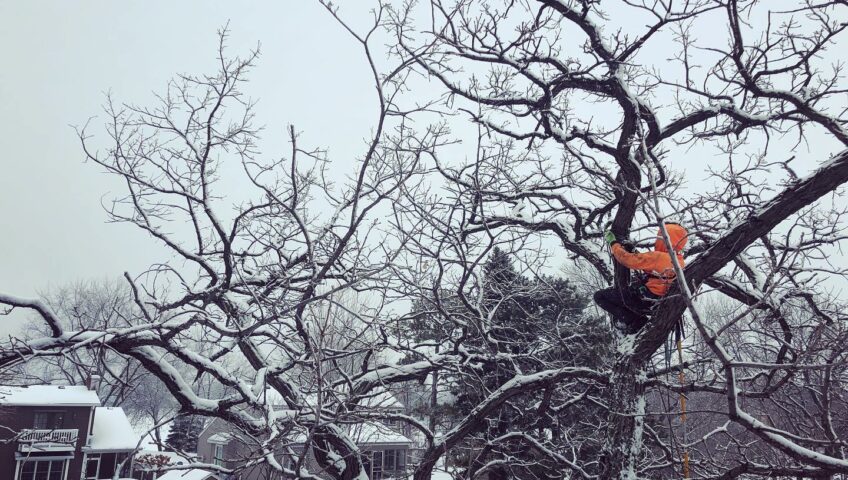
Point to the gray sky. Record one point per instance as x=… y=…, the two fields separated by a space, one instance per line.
x=60 y=57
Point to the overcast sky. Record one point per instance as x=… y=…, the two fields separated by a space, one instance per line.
x=59 y=59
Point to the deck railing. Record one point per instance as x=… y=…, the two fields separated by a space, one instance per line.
x=66 y=435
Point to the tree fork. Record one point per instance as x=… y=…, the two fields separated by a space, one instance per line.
x=623 y=444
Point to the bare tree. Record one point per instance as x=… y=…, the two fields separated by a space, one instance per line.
x=250 y=267
x=580 y=124
x=587 y=118
x=94 y=305
x=147 y=406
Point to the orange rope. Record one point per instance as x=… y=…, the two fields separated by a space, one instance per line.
x=681 y=378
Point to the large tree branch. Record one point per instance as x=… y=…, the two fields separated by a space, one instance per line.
x=746 y=231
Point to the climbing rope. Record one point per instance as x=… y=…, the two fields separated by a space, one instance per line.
x=678 y=328
x=682 y=379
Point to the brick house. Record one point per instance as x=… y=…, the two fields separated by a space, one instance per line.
x=61 y=432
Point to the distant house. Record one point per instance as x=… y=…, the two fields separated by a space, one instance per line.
x=58 y=432
x=385 y=445
x=190 y=474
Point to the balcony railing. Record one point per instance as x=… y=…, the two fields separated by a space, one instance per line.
x=63 y=436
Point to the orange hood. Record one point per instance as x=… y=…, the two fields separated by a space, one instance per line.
x=676 y=233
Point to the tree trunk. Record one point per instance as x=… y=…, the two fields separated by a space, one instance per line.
x=624 y=431
x=434 y=398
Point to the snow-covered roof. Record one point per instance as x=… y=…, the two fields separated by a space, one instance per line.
x=371 y=433
x=53 y=395
x=380 y=399
x=365 y=433
x=112 y=431
x=190 y=474
x=221 y=437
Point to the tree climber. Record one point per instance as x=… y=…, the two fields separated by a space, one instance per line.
x=631 y=308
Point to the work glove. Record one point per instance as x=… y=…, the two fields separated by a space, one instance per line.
x=609 y=237
x=627 y=245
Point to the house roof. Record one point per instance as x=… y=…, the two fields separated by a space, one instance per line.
x=112 y=431
x=221 y=437
x=53 y=395
x=373 y=433
x=377 y=399
x=382 y=399
x=190 y=474
x=366 y=433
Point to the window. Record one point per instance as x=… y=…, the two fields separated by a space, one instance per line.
x=45 y=420
x=218 y=454
x=389 y=459
x=394 y=460
x=377 y=468
x=42 y=470
x=381 y=462
x=92 y=465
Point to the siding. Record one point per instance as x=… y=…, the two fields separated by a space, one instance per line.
x=238 y=449
x=234 y=451
x=18 y=418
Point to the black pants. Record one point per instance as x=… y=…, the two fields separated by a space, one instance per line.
x=629 y=307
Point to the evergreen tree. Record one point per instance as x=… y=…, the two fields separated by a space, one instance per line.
x=184 y=432
x=533 y=324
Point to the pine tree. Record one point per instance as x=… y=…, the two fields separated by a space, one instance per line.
x=184 y=432
x=528 y=317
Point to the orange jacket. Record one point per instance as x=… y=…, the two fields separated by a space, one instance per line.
x=657 y=264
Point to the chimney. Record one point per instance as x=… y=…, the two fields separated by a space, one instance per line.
x=92 y=382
